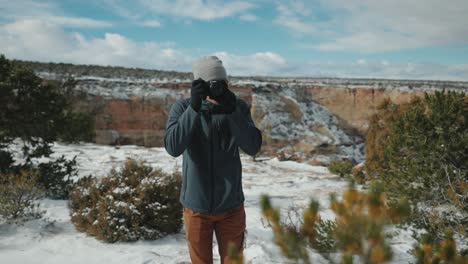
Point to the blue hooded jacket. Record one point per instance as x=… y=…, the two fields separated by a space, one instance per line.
x=211 y=166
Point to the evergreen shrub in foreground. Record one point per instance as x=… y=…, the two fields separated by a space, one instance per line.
x=135 y=202
x=19 y=193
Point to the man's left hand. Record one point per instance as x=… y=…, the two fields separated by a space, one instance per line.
x=226 y=102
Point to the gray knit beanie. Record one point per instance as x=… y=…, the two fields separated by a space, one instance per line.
x=209 y=68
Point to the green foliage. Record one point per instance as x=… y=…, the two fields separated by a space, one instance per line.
x=377 y=136
x=77 y=127
x=6 y=161
x=341 y=168
x=233 y=254
x=420 y=150
x=358 y=229
x=359 y=174
x=323 y=241
x=29 y=109
x=429 y=251
x=39 y=112
x=56 y=177
x=36 y=111
x=135 y=202
x=427 y=149
x=18 y=195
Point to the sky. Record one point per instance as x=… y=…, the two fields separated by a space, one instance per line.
x=395 y=39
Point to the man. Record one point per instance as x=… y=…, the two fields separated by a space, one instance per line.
x=208 y=128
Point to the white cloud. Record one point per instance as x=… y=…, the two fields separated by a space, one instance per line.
x=47 y=12
x=197 y=9
x=76 y=21
x=387 y=69
x=369 y=42
x=44 y=41
x=151 y=23
x=296 y=25
x=292 y=15
x=130 y=11
x=26 y=8
x=361 y=61
x=248 y=17
x=377 y=26
x=260 y=63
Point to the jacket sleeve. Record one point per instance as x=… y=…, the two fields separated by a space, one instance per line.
x=179 y=127
x=248 y=137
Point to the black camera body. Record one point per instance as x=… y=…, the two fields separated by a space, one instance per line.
x=216 y=87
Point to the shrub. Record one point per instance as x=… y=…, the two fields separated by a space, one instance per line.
x=427 y=150
x=428 y=251
x=324 y=229
x=287 y=154
x=233 y=254
x=377 y=136
x=359 y=175
x=78 y=127
x=6 y=160
x=358 y=229
x=18 y=196
x=341 y=168
x=420 y=150
x=37 y=112
x=136 y=202
x=56 y=177
x=30 y=109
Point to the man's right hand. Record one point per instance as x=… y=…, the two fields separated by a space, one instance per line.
x=199 y=92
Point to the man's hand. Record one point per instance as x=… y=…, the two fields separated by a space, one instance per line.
x=198 y=92
x=227 y=102
x=209 y=99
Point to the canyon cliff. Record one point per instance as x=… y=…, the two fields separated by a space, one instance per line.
x=306 y=119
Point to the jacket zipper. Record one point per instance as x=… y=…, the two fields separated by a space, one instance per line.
x=211 y=161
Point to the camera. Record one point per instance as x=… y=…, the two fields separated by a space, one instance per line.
x=217 y=87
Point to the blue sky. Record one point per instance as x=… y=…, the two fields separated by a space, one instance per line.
x=417 y=39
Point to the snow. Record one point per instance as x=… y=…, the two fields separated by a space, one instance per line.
x=125 y=90
x=57 y=241
x=53 y=76
x=316 y=125
x=351 y=83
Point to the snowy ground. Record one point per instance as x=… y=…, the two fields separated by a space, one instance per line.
x=57 y=241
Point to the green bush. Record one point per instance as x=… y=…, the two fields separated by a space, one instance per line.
x=30 y=109
x=6 y=161
x=56 y=177
x=427 y=149
x=324 y=242
x=377 y=136
x=423 y=154
x=341 y=168
x=18 y=196
x=357 y=231
x=78 y=127
x=38 y=112
x=429 y=251
x=135 y=202
x=359 y=174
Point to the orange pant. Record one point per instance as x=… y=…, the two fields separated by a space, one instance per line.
x=228 y=226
